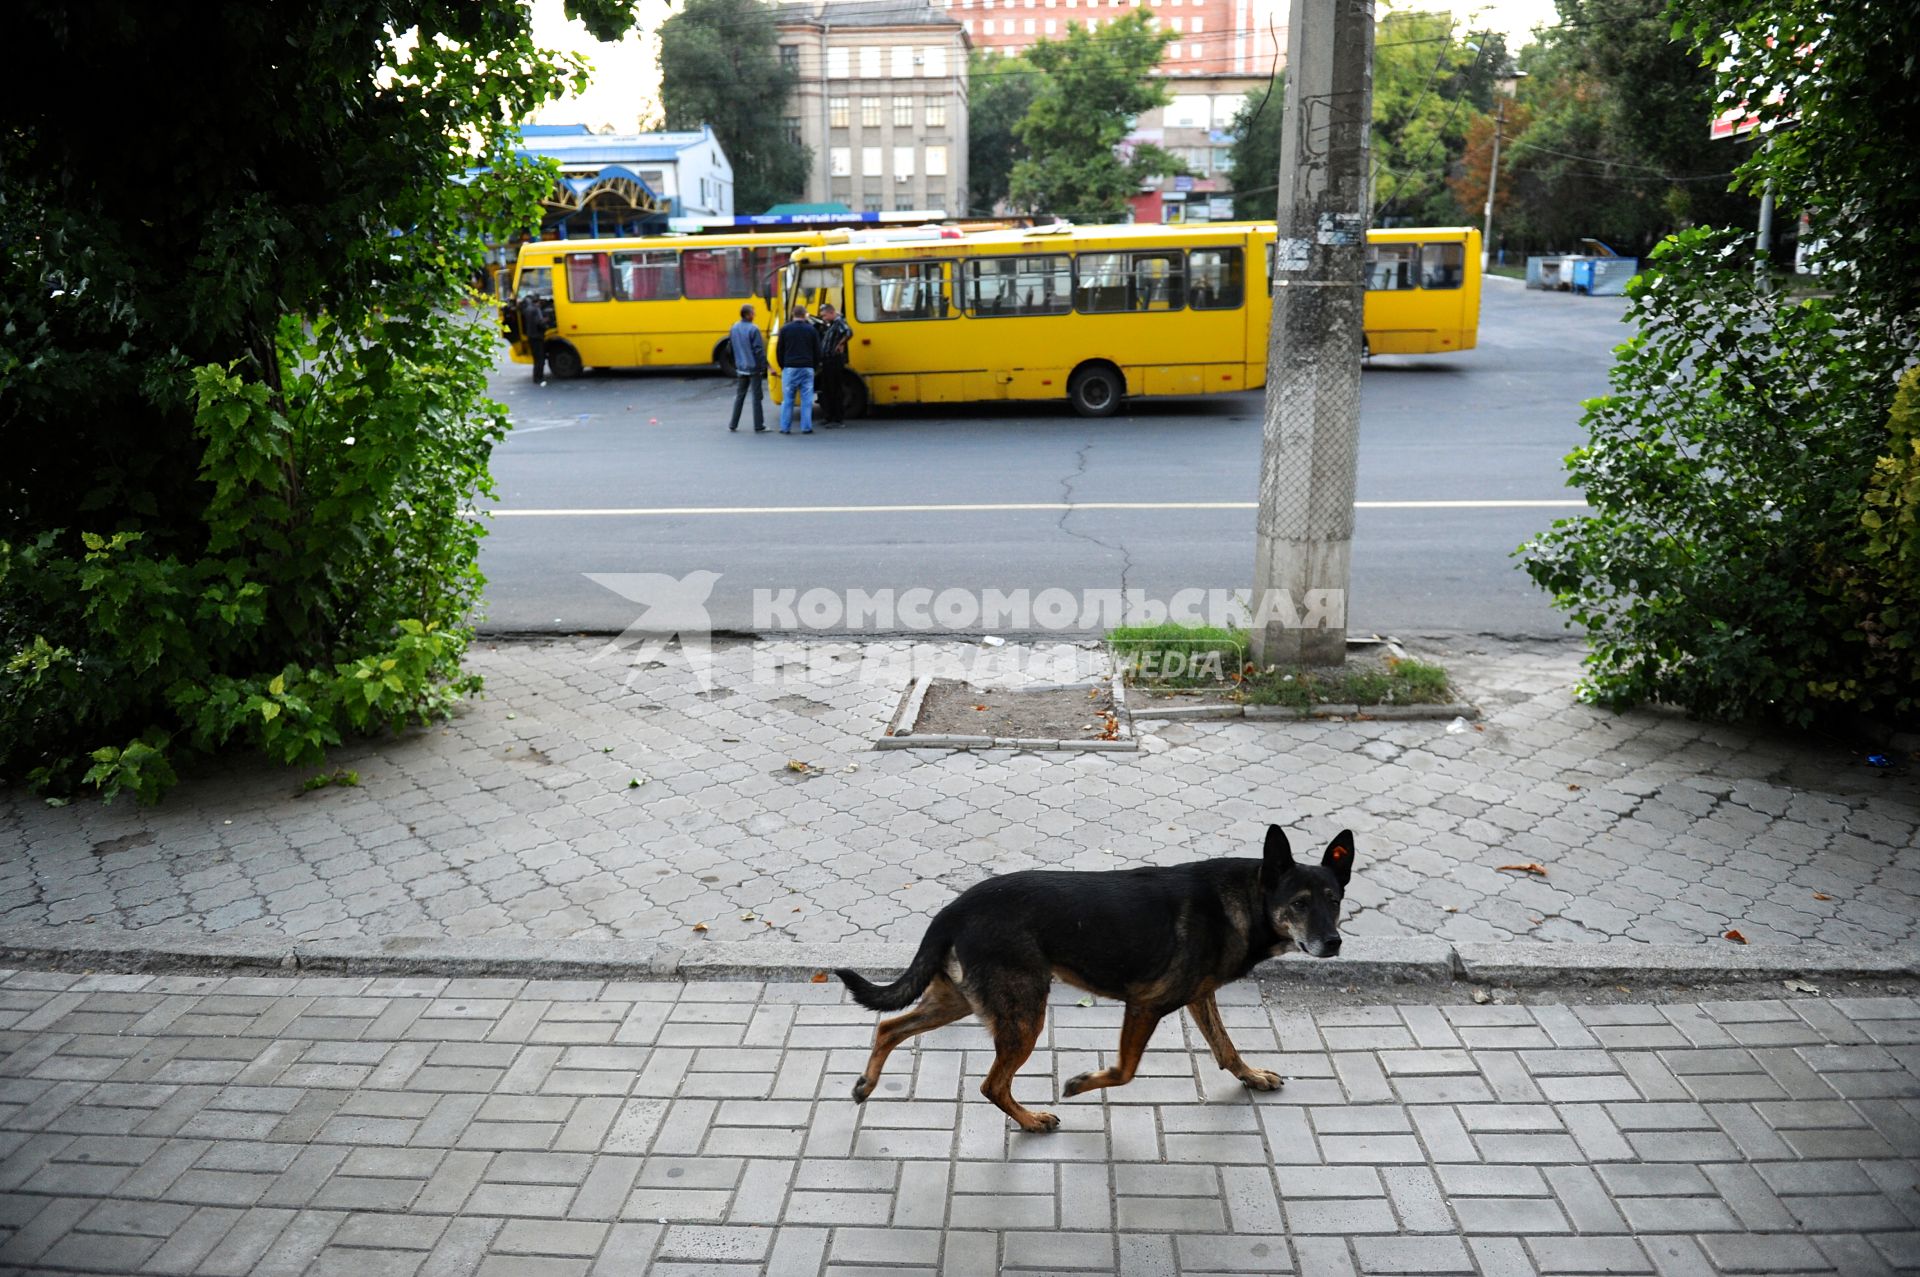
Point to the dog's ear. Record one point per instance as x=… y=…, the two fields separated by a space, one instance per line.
x=1277 y=860
x=1339 y=857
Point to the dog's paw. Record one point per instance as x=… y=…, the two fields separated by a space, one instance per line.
x=1076 y=1085
x=1040 y=1123
x=1263 y=1080
x=861 y=1090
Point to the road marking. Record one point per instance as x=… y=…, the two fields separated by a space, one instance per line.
x=608 y=512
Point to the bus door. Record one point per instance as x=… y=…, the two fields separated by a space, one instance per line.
x=1396 y=315
x=533 y=281
x=1017 y=342
x=1214 y=340
x=588 y=313
x=899 y=312
x=1443 y=280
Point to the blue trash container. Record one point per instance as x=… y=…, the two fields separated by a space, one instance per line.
x=1583 y=275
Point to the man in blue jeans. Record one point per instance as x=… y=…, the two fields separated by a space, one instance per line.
x=798 y=350
x=749 y=369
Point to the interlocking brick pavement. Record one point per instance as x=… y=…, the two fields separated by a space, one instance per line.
x=518 y=819
x=320 y=1125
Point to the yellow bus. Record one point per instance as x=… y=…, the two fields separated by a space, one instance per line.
x=1099 y=313
x=655 y=302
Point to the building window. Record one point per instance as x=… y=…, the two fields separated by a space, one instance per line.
x=870 y=161
x=902 y=62
x=870 y=62
x=936 y=115
x=936 y=161
x=836 y=64
x=903 y=113
x=1049 y=26
x=839 y=161
x=1178 y=25
x=791 y=125
x=934 y=62
x=903 y=206
x=790 y=58
x=986 y=28
x=1198 y=24
x=869 y=113
x=837 y=113
x=902 y=161
x=1173 y=50
x=1029 y=26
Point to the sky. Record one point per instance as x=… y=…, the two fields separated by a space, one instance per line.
x=625 y=92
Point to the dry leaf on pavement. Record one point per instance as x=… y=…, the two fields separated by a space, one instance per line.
x=1736 y=937
x=1539 y=871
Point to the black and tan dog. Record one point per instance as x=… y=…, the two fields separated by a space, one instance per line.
x=1156 y=939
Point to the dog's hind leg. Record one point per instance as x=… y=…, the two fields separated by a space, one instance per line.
x=1014 y=1033
x=1206 y=1013
x=941 y=1004
x=1136 y=1027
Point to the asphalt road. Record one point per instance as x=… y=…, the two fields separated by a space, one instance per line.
x=634 y=472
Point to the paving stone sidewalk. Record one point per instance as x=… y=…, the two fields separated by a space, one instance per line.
x=520 y=819
x=318 y=1126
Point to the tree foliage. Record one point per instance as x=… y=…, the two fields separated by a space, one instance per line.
x=1001 y=88
x=720 y=65
x=1097 y=83
x=1429 y=83
x=243 y=417
x=1616 y=143
x=1754 y=472
x=1255 y=158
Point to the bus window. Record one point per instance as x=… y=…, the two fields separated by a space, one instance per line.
x=716 y=272
x=899 y=290
x=1110 y=282
x=1158 y=282
x=1442 y=265
x=1216 y=278
x=1030 y=285
x=649 y=275
x=1390 y=267
x=589 y=279
x=767 y=264
x=536 y=281
x=817 y=286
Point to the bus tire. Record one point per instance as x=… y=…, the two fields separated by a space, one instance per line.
x=853 y=399
x=723 y=358
x=1095 y=390
x=563 y=361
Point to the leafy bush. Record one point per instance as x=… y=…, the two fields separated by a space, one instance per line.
x=243 y=408
x=1729 y=565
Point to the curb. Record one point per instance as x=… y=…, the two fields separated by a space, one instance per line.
x=1287 y=713
x=1364 y=961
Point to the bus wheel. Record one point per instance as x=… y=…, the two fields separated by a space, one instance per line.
x=563 y=361
x=853 y=396
x=723 y=358
x=1095 y=390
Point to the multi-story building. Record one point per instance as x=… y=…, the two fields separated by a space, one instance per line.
x=1213 y=37
x=1196 y=126
x=881 y=100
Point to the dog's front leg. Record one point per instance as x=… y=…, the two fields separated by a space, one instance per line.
x=1206 y=1013
x=1136 y=1027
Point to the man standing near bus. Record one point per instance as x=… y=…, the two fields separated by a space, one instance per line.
x=534 y=322
x=836 y=339
x=798 y=350
x=749 y=369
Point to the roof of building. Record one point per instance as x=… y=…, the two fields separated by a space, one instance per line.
x=864 y=13
x=575 y=145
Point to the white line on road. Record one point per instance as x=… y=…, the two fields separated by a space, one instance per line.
x=601 y=512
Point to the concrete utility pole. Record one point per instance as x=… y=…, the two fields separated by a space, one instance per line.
x=1304 y=536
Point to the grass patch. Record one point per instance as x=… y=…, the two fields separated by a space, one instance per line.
x=1171 y=657
x=1394 y=681
x=1175 y=655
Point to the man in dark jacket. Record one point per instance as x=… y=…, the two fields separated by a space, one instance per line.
x=836 y=336
x=534 y=322
x=749 y=369
x=798 y=350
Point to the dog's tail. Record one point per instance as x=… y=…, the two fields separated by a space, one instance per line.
x=912 y=982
